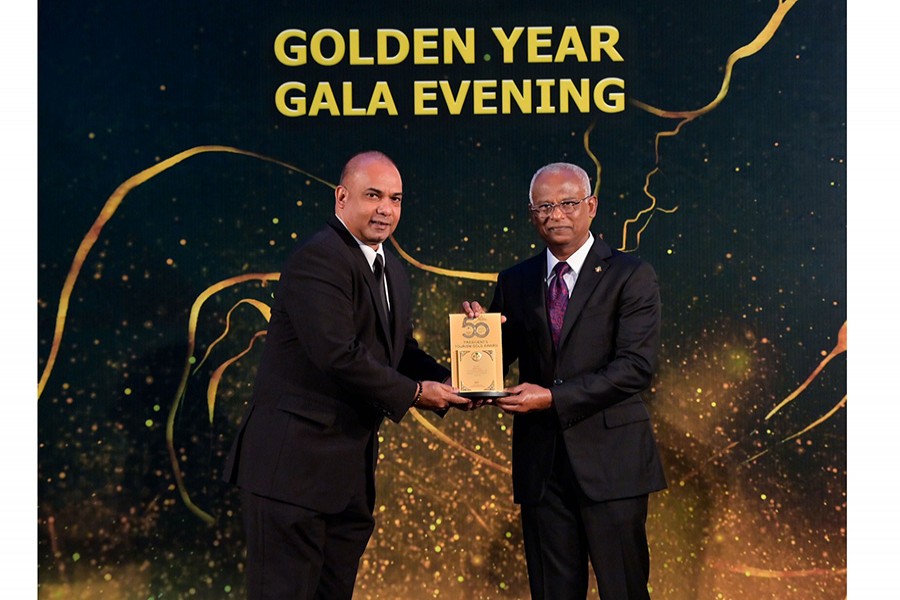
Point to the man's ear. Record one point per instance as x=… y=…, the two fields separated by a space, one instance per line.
x=592 y=202
x=340 y=196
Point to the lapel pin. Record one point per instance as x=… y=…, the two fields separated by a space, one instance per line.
x=597 y=269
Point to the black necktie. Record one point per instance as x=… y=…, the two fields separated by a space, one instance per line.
x=380 y=294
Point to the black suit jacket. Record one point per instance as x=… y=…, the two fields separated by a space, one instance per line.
x=331 y=370
x=606 y=357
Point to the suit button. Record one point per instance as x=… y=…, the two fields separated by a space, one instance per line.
x=557 y=382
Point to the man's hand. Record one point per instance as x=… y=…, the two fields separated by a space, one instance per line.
x=524 y=398
x=438 y=396
x=474 y=309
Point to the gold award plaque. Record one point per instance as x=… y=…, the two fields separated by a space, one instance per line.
x=476 y=355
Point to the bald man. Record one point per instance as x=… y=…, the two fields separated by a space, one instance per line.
x=339 y=357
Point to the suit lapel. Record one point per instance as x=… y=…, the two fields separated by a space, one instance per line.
x=535 y=291
x=362 y=264
x=397 y=295
x=373 y=289
x=592 y=271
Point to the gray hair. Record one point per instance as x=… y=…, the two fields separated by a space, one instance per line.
x=561 y=167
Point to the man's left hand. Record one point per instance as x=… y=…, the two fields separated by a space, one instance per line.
x=525 y=398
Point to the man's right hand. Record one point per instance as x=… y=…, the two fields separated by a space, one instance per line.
x=439 y=396
x=474 y=309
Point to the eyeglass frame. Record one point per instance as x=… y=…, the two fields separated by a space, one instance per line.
x=566 y=207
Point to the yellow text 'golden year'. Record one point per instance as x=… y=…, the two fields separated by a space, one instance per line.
x=447 y=46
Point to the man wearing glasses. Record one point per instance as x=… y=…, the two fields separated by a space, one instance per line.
x=583 y=321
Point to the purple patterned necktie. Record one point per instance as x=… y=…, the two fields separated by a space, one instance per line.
x=557 y=300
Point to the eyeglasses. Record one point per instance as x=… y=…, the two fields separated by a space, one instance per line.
x=566 y=206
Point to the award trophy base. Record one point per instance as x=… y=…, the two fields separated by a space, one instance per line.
x=480 y=395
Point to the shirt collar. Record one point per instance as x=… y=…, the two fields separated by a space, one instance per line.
x=367 y=250
x=575 y=262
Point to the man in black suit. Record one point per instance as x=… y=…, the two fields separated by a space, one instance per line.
x=339 y=357
x=585 y=334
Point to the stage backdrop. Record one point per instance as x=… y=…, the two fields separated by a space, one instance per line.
x=185 y=147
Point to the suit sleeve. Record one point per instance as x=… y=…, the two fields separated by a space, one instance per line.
x=319 y=291
x=634 y=359
x=414 y=362
x=418 y=364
